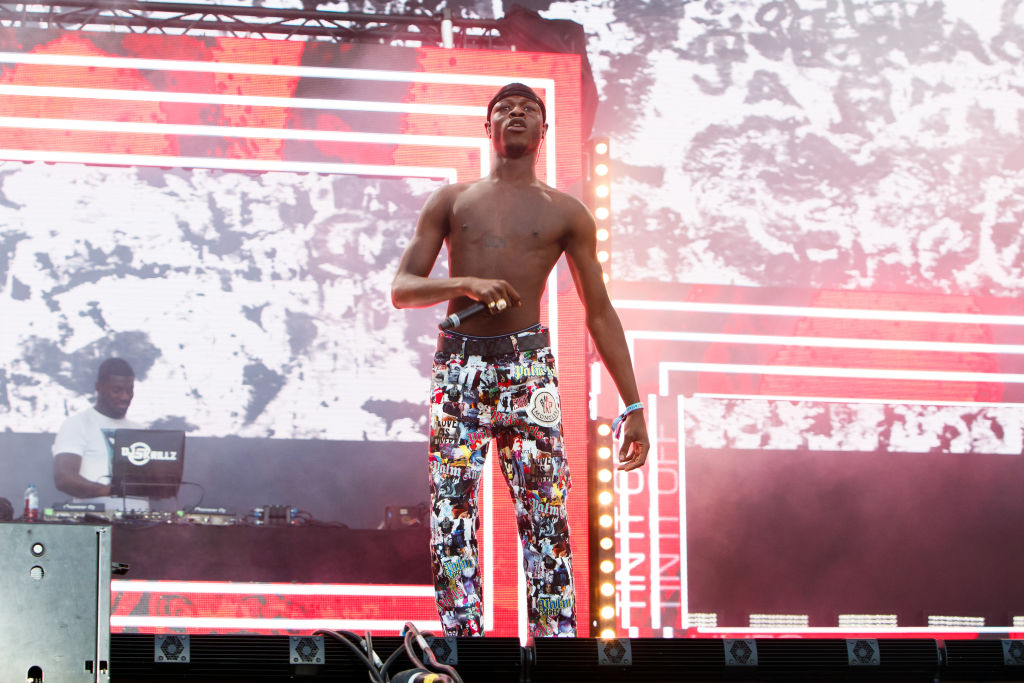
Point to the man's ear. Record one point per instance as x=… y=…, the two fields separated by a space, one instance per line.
x=487 y=127
x=544 y=131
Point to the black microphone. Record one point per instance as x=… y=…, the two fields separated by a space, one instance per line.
x=459 y=317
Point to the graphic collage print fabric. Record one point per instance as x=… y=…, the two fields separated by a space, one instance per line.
x=502 y=393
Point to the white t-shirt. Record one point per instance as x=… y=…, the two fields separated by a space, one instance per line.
x=88 y=434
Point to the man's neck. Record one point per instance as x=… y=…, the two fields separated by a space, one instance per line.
x=104 y=413
x=521 y=170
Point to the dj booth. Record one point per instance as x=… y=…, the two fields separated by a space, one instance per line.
x=271 y=544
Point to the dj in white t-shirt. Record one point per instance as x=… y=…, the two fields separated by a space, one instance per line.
x=82 y=449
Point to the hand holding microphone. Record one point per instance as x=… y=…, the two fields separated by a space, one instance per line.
x=491 y=295
x=457 y=318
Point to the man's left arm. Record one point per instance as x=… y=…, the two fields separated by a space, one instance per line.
x=606 y=330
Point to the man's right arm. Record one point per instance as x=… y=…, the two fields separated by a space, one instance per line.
x=66 y=478
x=414 y=288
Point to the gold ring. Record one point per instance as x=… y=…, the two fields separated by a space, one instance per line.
x=490 y=304
x=502 y=304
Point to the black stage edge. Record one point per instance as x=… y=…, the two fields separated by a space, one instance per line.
x=496 y=660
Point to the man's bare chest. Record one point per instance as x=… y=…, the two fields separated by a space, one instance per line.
x=489 y=223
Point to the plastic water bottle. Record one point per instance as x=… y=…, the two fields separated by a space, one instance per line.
x=31 y=503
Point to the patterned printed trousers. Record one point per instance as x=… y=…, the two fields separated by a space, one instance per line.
x=500 y=390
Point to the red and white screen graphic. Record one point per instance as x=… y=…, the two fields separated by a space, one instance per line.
x=79 y=100
x=838 y=460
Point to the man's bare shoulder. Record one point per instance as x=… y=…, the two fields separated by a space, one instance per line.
x=573 y=211
x=451 y=191
x=564 y=200
x=442 y=202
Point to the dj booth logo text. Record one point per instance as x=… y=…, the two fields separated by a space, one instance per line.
x=139 y=453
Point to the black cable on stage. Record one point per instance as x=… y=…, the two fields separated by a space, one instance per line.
x=410 y=632
x=368 y=646
x=391 y=660
x=370 y=667
x=409 y=649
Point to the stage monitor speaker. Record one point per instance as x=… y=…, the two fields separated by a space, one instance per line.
x=55 y=583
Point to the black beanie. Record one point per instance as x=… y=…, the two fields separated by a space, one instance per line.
x=520 y=90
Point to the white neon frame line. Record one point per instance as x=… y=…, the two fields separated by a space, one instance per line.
x=243 y=623
x=667 y=367
x=217 y=588
x=217 y=163
x=821 y=312
x=240 y=100
x=858 y=632
x=265 y=588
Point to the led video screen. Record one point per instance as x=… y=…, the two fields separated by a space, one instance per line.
x=227 y=215
x=834 y=371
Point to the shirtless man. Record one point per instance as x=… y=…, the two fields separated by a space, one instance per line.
x=495 y=380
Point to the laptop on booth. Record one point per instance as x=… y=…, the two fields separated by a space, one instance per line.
x=147 y=463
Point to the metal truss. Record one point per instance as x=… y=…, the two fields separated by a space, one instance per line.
x=177 y=18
